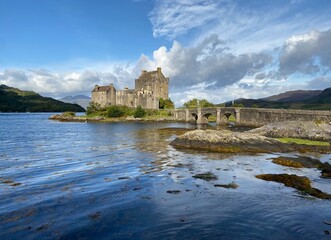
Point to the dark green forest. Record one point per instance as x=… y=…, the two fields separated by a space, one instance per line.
x=15 y=100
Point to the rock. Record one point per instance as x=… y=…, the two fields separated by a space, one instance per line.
x=301 y=183
x=304 y=162
x=173 y=191
x=239 y=142
x=296 y=129
x=67 y=117
x=230 y=185
x=208 y=176
x=227 y=142
x=326 y=170
x=298 y=162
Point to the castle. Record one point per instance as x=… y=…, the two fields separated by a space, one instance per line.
x=149 y=88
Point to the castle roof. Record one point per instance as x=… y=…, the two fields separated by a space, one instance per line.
x=152 y=75
x=101 y=88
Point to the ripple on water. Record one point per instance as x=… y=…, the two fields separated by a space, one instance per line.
x=114 y=181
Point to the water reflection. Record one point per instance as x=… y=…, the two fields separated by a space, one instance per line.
x=123 y=181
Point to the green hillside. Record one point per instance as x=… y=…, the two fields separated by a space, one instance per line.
x=306 y=100
x=15 y=100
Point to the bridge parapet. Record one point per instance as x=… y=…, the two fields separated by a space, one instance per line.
x=249 y=116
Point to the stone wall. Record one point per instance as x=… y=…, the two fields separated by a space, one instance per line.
x=254 y=117
x=126 y=98
x=257 y=117
x=104 y=97
x=149 y=88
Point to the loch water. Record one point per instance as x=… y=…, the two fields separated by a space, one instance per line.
x=65 y=180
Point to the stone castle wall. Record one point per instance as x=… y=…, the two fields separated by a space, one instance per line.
x=105 y=96
x=149 y=88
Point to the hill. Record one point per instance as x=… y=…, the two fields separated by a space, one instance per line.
x=81 y=100
x=294 y=96
x=16 y=100
x=308 y=100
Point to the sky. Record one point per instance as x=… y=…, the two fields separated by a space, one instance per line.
x=218 y=50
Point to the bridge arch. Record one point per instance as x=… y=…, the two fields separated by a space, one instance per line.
x=228 y=117
x=195 y=116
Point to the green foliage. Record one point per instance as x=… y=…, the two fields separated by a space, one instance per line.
x=238 y=105
x=115 y=111
x=231 y=118
x=69 y=114
x=140 y=112
x=303 y=141
x=255 y=106
x=166 y=104
x=194 y=103
x=92 y=108
x=15 y=100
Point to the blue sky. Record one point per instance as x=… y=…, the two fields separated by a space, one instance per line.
x=214 y=49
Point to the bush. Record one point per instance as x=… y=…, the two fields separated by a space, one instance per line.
x=166 y=104
x=69 y=114
x=115 y=111
x=140 y=112
x=92 y=108
x=194 y=103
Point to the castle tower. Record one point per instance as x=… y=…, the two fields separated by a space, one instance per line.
x=154 y=82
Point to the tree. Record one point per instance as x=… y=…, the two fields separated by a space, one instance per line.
x=166 y=104
x=255 y=106
x=238 y=105
x=139 y=113
x=194 y=103
x=92 y=107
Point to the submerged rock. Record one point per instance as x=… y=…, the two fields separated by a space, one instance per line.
x=296 y=129
x=299 y=162
x=208 y=176
x=304 y=162
x=230 y=185
x=239 y=142
x=326 y=170
x=301 y=183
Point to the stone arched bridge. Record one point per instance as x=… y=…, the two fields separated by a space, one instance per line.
x=249 y=116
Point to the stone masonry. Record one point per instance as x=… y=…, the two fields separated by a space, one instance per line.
x=149 y=88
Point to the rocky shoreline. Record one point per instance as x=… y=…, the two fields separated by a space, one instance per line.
x=73 y=118
x=225 y=141
x=296 y=129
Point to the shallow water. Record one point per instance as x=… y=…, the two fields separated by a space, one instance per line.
x=110 y=181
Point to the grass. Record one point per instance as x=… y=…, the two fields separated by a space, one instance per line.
x=303 y=141
x=231 y=118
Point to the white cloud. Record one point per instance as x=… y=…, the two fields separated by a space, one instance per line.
x=250 y=26
x=60 y=84
x=210 y=62
x=209 y=69
x=307 y=54
x=176 y=17
x=319 y=83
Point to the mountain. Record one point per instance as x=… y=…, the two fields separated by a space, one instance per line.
x=293 y=96
x=16 y=100
x=308 y=100
x=77 y=97
x=81 y=100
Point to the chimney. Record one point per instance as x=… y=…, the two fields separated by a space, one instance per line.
x=143 y=71
x=158 y=70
